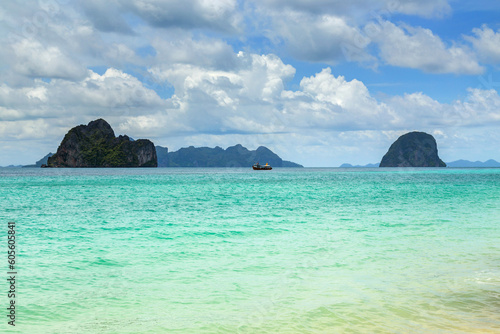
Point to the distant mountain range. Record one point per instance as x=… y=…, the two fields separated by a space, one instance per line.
x=467 y=163
x=459 y=163
x=233 y=156
x=359 y=166
x=183 y=158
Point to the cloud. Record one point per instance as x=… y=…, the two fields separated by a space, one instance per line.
x=251 y=98
x=217 y=15
x=253 y=77
x=114 y=90
x=479 y=109
x=40 y=115
x=330 y=31
x=49 y=39
x=179 y=48
x=114 y=93
x=106 y=16
x=319 y=38
x=329 y=102
x=317 y=31
x=227 y=101
x=71 y=38
x=419 y=48
x=25 y=129
x=365 y=8
x=486 y=42
x=36 y=60
x=425 y=8
x=248 y=98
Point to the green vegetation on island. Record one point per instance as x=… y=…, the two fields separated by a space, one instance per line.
x=95 y=145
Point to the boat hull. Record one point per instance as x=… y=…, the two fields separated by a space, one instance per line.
x=262 y=168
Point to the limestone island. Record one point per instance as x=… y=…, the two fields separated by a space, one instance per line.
x=233 y=156
x=414 y=149
x=95 y=145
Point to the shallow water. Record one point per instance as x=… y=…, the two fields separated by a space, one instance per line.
x=235 y=250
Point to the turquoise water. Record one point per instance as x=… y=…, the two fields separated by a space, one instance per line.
x=237 y=251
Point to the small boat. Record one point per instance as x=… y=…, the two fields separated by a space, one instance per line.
x=257 y=166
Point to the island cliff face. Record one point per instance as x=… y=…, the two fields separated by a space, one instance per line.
x=414 y=149
x=95 y=145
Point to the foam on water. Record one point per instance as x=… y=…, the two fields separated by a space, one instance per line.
x=232 y=250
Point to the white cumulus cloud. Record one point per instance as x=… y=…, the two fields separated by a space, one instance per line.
x=419 y=48
x=219 y=15
x=365 y=8
x=319 y=38
x=486 y=42
x=36 y=60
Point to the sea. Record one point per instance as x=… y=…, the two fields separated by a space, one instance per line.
x=232 y=250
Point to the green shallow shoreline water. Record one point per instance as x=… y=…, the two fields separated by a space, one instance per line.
x=236 y=251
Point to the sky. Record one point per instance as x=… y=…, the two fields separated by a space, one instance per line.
x=319 y=82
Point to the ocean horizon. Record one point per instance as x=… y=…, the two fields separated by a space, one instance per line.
x=231 y=250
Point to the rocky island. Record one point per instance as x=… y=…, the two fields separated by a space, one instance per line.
x=414 y=149
x=95 y=145
x=233 y=156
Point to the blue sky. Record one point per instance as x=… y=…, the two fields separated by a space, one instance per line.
x=318 y=82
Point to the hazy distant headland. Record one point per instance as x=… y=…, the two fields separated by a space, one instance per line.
x=348 y=165
x=474 y=164
x=42 y=161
